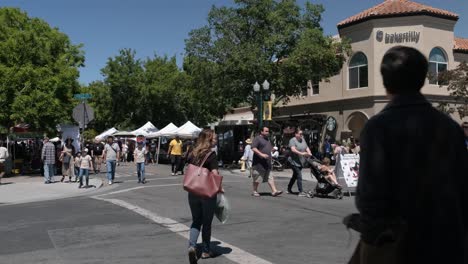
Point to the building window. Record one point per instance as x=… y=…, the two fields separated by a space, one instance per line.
x=311 y=89
x=315 y=88
x=358 y=72
x=437 y=64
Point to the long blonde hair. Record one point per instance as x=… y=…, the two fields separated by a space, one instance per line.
x=204 y=144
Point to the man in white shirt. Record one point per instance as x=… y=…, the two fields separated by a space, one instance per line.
x=3 y=157
x=111 y=156
x=140 y=155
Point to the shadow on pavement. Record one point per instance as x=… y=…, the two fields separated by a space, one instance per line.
x=218 y=250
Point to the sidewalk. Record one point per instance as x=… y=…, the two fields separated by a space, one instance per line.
x=286 y=173
x=23 y=189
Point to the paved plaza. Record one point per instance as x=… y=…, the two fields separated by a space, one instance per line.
x=133 y=223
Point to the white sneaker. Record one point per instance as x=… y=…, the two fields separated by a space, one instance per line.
x=110 y=182
x=173 y=174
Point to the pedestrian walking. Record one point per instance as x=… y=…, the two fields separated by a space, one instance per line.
x=66 y=157
x=3 y=157
x=175 y=152
x=261 y=164
x=140 y=160
x=111 y=156
x=96 y=154
x=124 y=155
x=202 y=209
x=153 y=148
x=298 y=159
x=411 y=195
x=76 y=165
x=48 y=159
x=86 y=164
x=248 y=156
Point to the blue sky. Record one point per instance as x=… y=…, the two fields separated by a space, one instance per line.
x=161 y=26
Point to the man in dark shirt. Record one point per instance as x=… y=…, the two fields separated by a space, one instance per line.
x=261 y=164
x=96 y=154
x=412 y=188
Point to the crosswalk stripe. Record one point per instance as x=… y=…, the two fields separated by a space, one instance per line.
x=237 y=255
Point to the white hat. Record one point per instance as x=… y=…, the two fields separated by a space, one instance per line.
x=275 y=148
x=85 y=150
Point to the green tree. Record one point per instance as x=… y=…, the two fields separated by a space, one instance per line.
x=457 y=80
x=100 y=101
x=257 y=40
x=38 y=71
x=123 y=76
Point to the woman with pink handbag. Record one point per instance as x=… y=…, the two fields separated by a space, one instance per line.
x=201 y=180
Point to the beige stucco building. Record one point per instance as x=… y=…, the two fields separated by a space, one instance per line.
x=357 y=93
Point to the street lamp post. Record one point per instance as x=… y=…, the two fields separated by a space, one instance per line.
x=259 y=96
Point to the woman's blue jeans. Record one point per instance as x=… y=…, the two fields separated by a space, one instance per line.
x=202 y=216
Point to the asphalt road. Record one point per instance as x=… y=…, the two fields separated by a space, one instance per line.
x=131 y=223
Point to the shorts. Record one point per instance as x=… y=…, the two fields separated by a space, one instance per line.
x=265 y=175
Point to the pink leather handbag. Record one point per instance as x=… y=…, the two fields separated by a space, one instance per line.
x=201 y=181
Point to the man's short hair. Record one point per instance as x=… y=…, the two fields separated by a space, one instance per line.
x=404 y=70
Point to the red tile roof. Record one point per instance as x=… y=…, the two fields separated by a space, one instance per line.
x=461 y=44
x=391 y=8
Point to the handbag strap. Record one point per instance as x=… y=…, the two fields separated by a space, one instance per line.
x=204 y=160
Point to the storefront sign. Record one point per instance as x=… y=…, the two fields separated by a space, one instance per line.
x=331 y=123
x=406 y=37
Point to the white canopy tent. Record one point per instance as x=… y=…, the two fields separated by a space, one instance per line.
x=106 y=133
x=145 y=130
x=124 y=134
x=187 y=130
x=165 y=132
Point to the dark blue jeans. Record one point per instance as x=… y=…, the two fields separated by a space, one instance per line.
x=202 y=216
x=297 y=175
x=111 y=169
x=141 y=171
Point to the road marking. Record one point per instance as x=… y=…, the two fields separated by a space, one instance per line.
x=237 y=255
x=137 y=188
x=150 y=186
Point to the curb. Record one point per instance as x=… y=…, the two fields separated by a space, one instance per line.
x=65 y=196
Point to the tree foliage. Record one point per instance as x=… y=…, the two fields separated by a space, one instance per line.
x=136 y=91
x=38 y=71
x=457 y=80
x=257 y=40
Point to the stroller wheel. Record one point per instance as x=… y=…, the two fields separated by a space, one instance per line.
x=311 y=194
x=338 y=195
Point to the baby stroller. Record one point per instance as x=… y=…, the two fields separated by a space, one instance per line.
x=323 y=188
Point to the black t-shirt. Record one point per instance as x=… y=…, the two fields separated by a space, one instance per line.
x=98 y=149
x=211 y=162
x=153 y=147
x=265 y=147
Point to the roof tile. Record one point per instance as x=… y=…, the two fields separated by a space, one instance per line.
x=461 y=44
x=396 y=8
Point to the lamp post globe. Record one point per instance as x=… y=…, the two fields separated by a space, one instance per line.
x=256 y=87
x=266 y=85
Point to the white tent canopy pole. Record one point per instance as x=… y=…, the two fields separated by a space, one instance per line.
x=165 y=131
